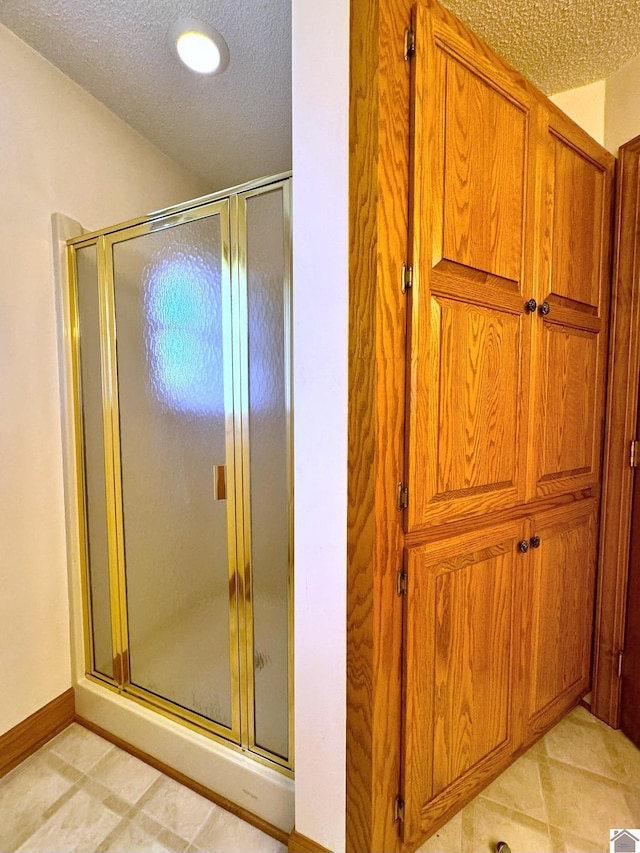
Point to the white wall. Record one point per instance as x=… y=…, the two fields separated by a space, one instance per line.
x=622 y=115
x=609 y=109
x=320 y=228
x=60 y=151
x=586 y=106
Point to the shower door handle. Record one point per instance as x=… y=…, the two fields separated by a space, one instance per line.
x=220 y=482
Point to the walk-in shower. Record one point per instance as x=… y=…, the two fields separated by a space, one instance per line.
x=181 y=359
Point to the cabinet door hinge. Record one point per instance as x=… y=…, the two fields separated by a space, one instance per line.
x=403 y=497
x=620 y=656
x=398 y=809
x=403 y=582
x=409 y=43
x=633 y=454
x=407 y=277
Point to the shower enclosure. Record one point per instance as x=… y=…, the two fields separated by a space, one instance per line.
x=181 y=350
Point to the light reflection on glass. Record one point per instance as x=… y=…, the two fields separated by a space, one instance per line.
x=182 y=316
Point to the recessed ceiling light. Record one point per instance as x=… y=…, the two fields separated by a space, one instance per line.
x=199 y=46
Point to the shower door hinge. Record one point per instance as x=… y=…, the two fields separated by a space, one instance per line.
x=409 y=43
x=620 y=664
x=398 y=809
x=407 y=277
x=403 y=497
x=403 y=582
x=633 y=454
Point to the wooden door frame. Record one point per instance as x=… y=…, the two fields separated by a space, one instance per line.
x=629 y=682
x=620 y=430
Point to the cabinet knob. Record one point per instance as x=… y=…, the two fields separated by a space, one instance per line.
x=530 y=305
x=544 y=309
x=535 y=541
x=523 y=546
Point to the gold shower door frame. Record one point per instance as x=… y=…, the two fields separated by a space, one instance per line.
x=240 y=274
x=231 y=208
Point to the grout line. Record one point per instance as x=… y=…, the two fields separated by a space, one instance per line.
x=158 y=783
x=584 y=771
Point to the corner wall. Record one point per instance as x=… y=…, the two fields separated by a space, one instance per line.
x=622 y=111
x=586 y=106
x=320 y=330
x=609 y=110
x=60 y=151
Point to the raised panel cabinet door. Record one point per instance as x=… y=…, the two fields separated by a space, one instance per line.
x=558 y=615
x=473 y=185
x=460 y=624
x=570 y=332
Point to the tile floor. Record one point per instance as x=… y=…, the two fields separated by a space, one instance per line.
x=565 y=794
x=80 y=793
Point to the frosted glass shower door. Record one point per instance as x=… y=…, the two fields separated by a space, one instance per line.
x=180 y=329
x=174 y=422
x=265 y=285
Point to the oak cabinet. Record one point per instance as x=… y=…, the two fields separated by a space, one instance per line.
x=511 y=213
x=507 y=340
x=498 y=626
x=557 y=614
x=570 y=349
x=461 y=656
x=473 y=193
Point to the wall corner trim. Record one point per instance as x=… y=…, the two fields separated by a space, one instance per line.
x=299 y=843
x=28 y=736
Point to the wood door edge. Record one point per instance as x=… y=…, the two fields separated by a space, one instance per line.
x=620 y=425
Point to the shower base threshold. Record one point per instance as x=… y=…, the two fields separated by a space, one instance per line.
x=234 y=776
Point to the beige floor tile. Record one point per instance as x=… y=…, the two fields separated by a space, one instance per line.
x=582 y=804
x=567 y=843
x=632 y=796
x=177 y=808
x=445 y=840
x=538 y=750
x=138 y=833
x=79 y=747
x=224 y=831
x=582 y=715
x=581 y=745
x=125 y=775
x=520 y=788
x=80 y=824
x=486 y=823
x=625 y=758
x=27 y=792
x=102 y=794
x=583 y=778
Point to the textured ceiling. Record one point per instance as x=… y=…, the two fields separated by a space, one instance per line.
x=226 y=129
x=237 y=126
x=557 y=44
